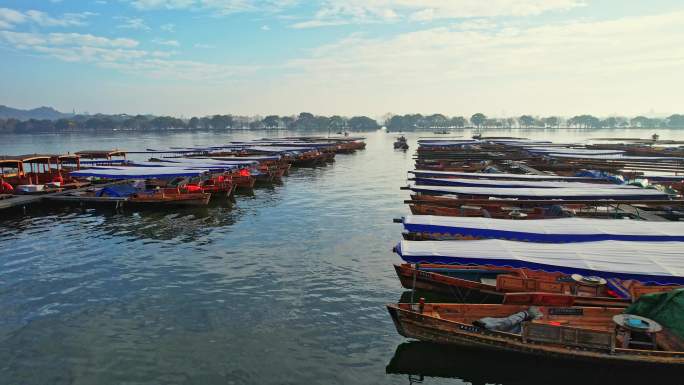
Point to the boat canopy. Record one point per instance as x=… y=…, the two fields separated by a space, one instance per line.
x=211 y=162
x=300 y=144
x=100 y=154
x=517 y=183
x=446 y=143
x=258 y=158
x=278 y=149
x=484 y=175
x=617 y=157
x=658 y=262
x=545 y=193
x=572 y=151
x=561 y=230
x=105 y=162
x=207 y=166
x=139 y=172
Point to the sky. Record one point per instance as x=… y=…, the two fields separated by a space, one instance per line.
x=349 y=57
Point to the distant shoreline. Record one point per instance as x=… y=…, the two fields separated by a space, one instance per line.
x=325 y=130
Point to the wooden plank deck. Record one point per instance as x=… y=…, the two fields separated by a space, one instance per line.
x=85 y=199
x=18 y=201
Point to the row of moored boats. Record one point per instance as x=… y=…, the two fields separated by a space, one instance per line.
x=176 y=176
x=537 y=248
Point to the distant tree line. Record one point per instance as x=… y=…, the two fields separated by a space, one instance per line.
x=309 y=122
x=303 y=121
x=412 y=122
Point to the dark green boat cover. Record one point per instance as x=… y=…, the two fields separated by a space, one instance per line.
x=666 y=308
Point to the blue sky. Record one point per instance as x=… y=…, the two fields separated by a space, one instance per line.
x=197 y=57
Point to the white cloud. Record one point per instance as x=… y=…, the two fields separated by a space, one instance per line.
x=168 y=27
x=170 y=43
x=215 y=7
x=587 y=64
x=340 y=12
x=133 y=23
x=265 y=28
x=120 y=54
x=26 y=39
x=67 y=20
x=10 y=18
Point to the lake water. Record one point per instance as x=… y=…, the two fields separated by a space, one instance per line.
x=286 y=287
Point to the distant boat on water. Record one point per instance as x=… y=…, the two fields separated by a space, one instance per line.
x=401 y=144
x=442 y=132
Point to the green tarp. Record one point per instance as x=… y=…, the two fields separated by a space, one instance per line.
x=665 y=308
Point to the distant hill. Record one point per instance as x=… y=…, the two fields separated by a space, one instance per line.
x=39 y=113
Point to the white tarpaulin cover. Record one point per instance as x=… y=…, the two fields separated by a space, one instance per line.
x=517 y=183
x=484 y=175
x=661 y=262
x=616 y=157
x=577 y=151
x=548 y=230
x=277 y=149
x=544 y=193
x=138 y=172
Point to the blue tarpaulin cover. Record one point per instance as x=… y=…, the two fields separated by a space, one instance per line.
x=120 y=190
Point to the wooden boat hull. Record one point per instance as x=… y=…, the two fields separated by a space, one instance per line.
x=188 y=199
x=308 y=161
x=423 y=327
x=480 y=211
x=505 y=281
x=244 y=182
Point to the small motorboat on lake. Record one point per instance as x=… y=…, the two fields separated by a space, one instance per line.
x=401 y=144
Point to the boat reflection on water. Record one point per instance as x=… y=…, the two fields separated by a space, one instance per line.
x=421 y=360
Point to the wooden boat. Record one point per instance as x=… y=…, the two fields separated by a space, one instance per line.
x=489 y=211
x=311 y=159
x=244 y=182
x=572 y=333
x=170 y=197
x=452 y=166
x=39 y=170
x=218 y=186
x=468 y=281
x=401 y=143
